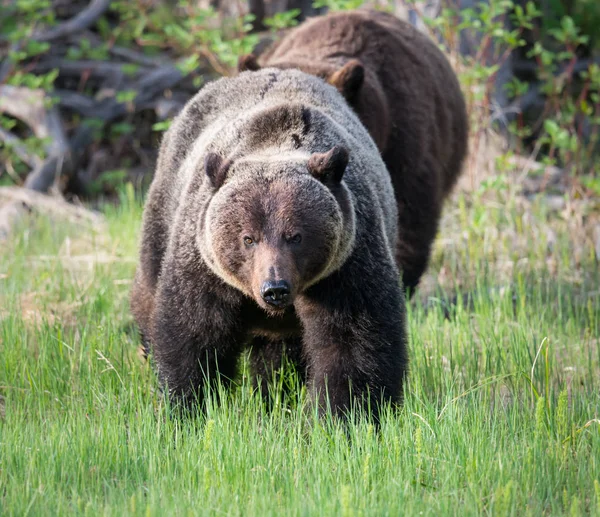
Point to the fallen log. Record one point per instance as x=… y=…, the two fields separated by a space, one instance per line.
x=17 y=203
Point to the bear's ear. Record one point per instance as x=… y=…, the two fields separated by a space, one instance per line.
x=349 y=79
x=216 y=169
x=248 y=63
x=329 y=167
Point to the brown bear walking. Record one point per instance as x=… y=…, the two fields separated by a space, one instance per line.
x=406 y=94
x=271 y=223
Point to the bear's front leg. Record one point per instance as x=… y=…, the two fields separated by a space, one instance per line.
x=196 y=335
x=354 y=338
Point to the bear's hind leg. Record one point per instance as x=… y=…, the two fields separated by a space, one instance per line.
x=141 y=302
x=419 y=196
x=418 y=221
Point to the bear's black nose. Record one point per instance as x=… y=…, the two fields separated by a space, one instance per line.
x=275 y=293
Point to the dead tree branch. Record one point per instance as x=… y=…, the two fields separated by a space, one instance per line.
x=79 y=22
x=14 y=143
x=30 y=107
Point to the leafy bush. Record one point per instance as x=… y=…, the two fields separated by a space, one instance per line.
x=199 y=41
x=565 y=130
x=584 y=13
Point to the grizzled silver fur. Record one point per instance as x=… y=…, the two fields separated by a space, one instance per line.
x=193 y=302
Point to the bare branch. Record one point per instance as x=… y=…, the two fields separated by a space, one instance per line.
x=29 y=106
x=81 y=21
x=80 y=103
x=157 y=81
x=136 y=57
x=128 y=54
x=148 y=87
x=7 y=65
x=15 y=144
x=46 y=174
x=77 y=68
x=26 y=105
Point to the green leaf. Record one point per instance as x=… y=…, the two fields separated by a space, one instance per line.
x=121 y=128
x=161 y=126
x=187 y=65
x=126 y=96
x=130 y=69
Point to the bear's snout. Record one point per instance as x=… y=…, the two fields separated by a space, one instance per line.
x=276 y=293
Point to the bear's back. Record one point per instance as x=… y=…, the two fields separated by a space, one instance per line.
x=404 y=66
x=365 y=34
x=255 y=114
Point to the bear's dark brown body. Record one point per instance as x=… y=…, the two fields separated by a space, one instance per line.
x=271 y=224
x=406 y=94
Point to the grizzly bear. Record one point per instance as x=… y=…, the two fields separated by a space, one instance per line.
x=271 y=224
x=408 y=97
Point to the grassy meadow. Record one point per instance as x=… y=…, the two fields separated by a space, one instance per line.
x=502 y=407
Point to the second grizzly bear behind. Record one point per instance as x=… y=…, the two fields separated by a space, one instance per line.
x=407 y=96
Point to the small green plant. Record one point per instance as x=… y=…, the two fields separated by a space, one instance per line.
x=338 y=5
x=108 y=180
x=584 y=13
x=18 y=22
x=85 y=50
x=161 y=126
x=282 y=20
x=568 y=131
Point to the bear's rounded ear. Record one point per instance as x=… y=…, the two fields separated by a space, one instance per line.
x=349 y=79
x=216 y=169
x=248 y=63
x=329 y=167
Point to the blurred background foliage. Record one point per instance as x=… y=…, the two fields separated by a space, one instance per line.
x=108 y=76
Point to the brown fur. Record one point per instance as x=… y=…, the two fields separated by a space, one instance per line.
x=407 y=96
x=265 y=178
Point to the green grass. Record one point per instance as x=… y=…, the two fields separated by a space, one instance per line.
x=500 y=418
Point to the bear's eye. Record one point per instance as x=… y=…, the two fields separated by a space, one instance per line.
x=248 y=241
x=295 y=239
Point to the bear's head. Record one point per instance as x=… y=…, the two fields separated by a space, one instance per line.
x=277 y=226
